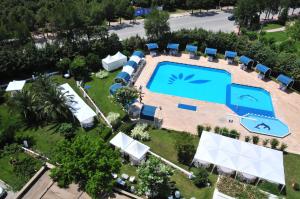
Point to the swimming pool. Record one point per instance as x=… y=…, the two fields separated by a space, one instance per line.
x=208 y=84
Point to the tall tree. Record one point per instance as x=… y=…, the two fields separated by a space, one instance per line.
x=156 y=24
x=193 y=5
x=109 y=10
x=121 y=8
x=154 y=176
x=88 y=162
x=294 y=30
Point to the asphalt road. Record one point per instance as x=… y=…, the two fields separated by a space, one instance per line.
x=213 y=21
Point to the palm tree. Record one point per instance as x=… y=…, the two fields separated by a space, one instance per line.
x=26 y=103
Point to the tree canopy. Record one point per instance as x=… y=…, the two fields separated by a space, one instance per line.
x=87 y=161
x=154 y=177
x=294 y=30
x=156 y=24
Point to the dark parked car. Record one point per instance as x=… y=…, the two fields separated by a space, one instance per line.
x=231 y=18
x=2 y=193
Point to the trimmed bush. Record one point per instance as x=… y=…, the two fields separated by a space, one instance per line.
x=217 y=129
x=283 y=147
x=200 y=129
x=274 y=143
x=114 y=119
x=234 y=134
x=255 y=139
x=185 y=152
x=102 y=74
x=139 y=132
x=265 y=142
x=296 y=186
x=201 y=177
x=126 y=127
x=208 y=128
x=105 y=132
x=247 y=139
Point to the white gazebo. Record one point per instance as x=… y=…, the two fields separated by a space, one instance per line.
x=137 y=152
x=248 y=160
x=121 y=141
x=83 y=113
x=116 y=61
x=15 y=86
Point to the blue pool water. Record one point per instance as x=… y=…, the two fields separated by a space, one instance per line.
x=212 y=85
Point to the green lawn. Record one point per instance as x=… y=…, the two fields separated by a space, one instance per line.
x=8 y=175
x=271 y=26
x=292 y=174
x=163 y=142
x=278 y=36
x=99 y=92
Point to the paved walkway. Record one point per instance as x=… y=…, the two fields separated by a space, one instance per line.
x=276 y=30
x=286 y=105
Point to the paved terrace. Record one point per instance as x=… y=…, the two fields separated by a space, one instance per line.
x=286 y=105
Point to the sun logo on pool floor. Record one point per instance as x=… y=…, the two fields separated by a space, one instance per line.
x=189 y=79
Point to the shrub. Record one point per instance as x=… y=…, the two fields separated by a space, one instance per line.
x=102 y=74
x=201 y=177
x=200 y=129
x=185 y=152
x=126 y=127
x=139 y=132
x=247 y=139
x=217 y=129
x=67 y=130
x=208 y=128
x=2 y=92
x=63 y=64
x=114 y=119
x=274 y=143
x=296 y=186
x=105 y=132
x=283 y=147
x=234 y=134
x=255 y=139
x=265 y=142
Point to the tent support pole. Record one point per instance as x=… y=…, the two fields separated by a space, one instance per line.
x=282 y=188
x=235 y=174
x=257 y=182
x=213 y=168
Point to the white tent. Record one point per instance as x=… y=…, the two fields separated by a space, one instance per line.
x=245 y=158
x=135 y=58
x=116 y=61
x=137 y=151
x=84 y=114
x=128 y=69
x=121 y=141
x=15 y=85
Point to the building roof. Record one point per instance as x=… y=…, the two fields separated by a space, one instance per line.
x=241 y=156
x=128 y=69
x=285 y=80
x=113 y=88
x=191 y=48
x=132 y=64
x=135 y=58
x=230 y=54
x=210 y=51
x=152 y=46
x=262 y=68
x=148 y=112
x=173 y=46
x=79 y=108
x=138 y=53
x=121 y=141
x=245 y=60
x=15 y=85
x=137 y=149
x=123 y=76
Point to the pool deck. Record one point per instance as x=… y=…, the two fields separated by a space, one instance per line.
x=286 y=105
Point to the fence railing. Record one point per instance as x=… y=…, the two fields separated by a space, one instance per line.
x=98 y=111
